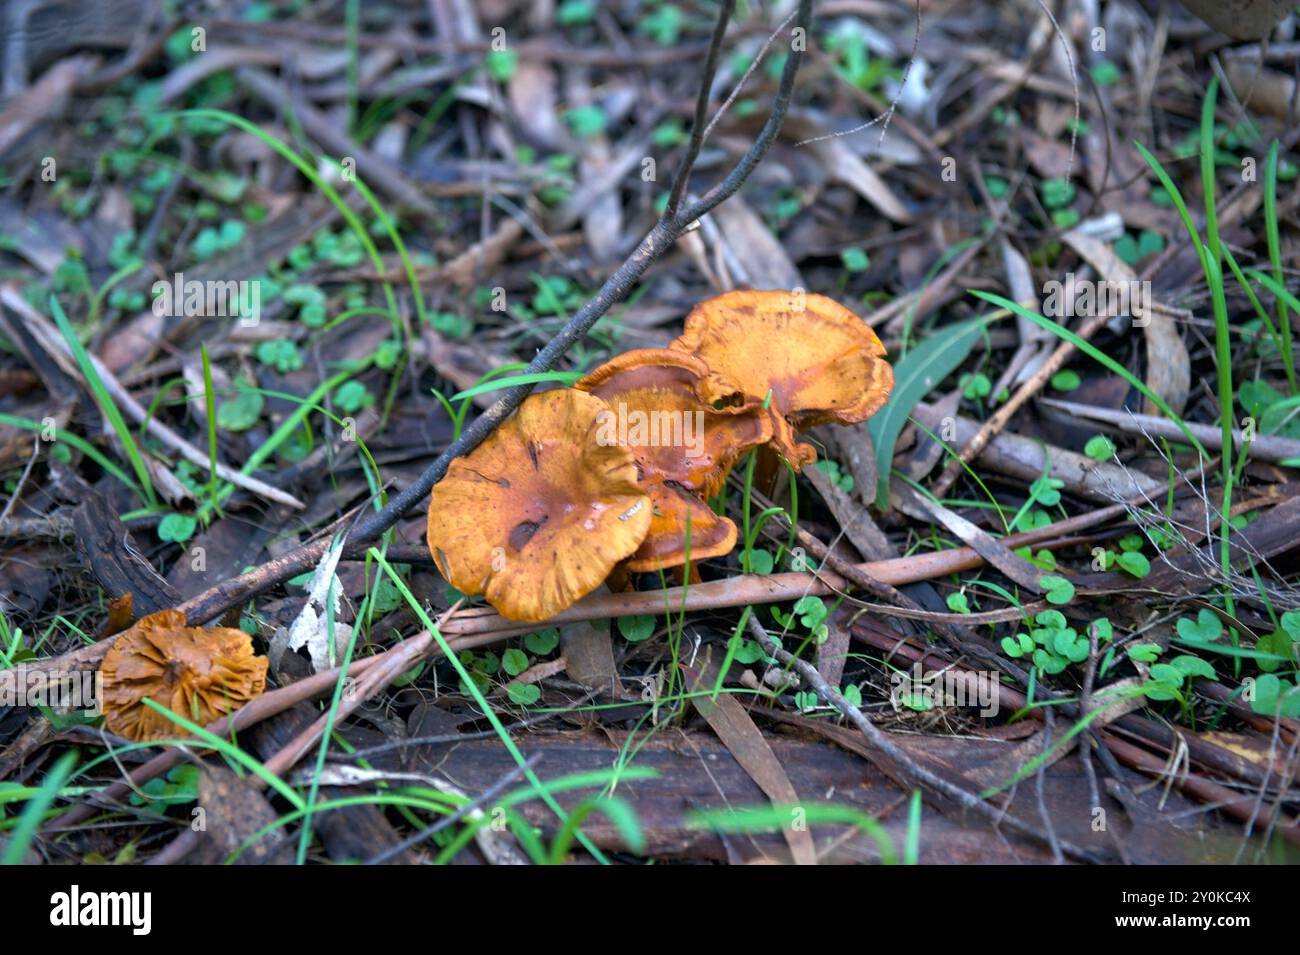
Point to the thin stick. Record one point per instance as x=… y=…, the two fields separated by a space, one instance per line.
x=496 y=789
x=49 y=338
x=698 y=129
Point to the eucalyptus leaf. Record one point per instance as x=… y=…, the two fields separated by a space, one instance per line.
x=917 y=374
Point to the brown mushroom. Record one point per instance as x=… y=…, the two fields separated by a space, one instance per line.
x=684 y=423
x=537 y=516
x=818 y=361
x=197 y=672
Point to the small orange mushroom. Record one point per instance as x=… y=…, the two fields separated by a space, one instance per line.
x=683 y=423
x=819 y=362
x=677 y=515
x=197 y=672
x=537 y=516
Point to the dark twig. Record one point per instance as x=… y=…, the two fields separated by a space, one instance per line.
x=698 y=127
x=1040 y=783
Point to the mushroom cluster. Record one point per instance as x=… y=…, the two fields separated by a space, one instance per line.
x=616 y=473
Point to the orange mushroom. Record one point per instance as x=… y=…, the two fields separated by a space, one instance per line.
x=683 y=423
x=677 y=515
x=819 y=362
x=686 y=425
x=197 y=672
x=537 y=516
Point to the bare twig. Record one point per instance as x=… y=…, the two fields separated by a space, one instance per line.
x=22 y=481
x=50 y=339
x=496 y=789
x=698 y=128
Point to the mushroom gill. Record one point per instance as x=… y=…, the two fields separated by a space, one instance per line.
x=200 y=673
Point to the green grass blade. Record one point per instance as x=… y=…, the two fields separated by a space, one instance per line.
x=1275 y=258
x=1176 y=196
x=1096 y=355
x=563 y=377
x=1207 y=170
x=34 y=812
x=1277 y=288
x=104 y=400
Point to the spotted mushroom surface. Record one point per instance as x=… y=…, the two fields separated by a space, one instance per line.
x=538 y=515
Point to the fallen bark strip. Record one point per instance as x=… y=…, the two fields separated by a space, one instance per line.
x=771 y=588
x=1026 y=459
x=43 y=101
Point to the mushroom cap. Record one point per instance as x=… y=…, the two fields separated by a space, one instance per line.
x=662 y=366
x=662 y=407
x=820 y=362
x=537 y=516
x=665 y=546
x=200 y=673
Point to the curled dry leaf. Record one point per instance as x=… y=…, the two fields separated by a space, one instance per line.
x=819 y=362
x=536 y=517
x=200 y=673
